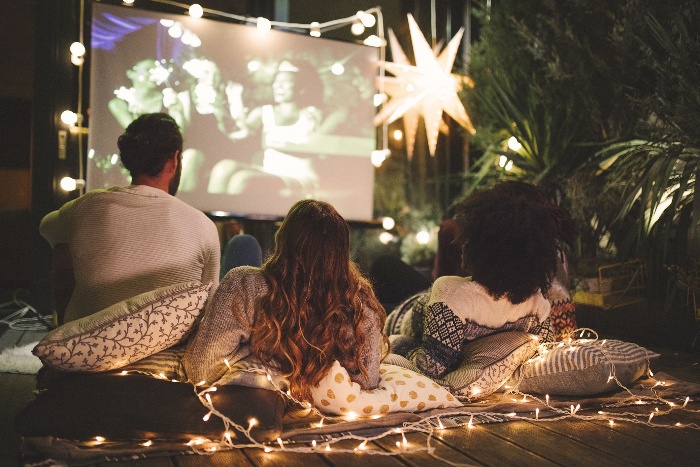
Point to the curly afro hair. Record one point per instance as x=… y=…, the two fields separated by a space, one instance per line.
x=508 y=240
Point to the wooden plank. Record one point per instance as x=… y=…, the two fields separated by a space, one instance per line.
x=220 y=459
x=550 y=445
x=147 y=462
x=442 y=454
x=683 y=442
x=480 y=444
x=289 y=459
x=615 y=444
x=349 y=458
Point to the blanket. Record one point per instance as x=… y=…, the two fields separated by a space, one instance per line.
x=303 y=426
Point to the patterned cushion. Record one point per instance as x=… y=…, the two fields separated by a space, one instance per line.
x=125 y=332
x=583 y=368
x=487 y=363
x=399 y=390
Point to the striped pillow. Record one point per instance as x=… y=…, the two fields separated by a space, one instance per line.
x=584 y=368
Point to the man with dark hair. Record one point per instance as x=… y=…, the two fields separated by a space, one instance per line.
x=124 y=241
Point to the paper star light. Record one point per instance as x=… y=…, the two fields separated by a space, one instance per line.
x=429 y=88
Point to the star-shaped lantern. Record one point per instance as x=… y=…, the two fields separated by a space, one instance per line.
x=426 y=89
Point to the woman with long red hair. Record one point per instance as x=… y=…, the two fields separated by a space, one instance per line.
x=307 y=306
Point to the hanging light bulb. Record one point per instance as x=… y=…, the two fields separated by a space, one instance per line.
x=388 y=223
x=366 y=19
x=263 y=24
x=315 y=29
x=385 y=237
x=76 y=60
x=514 y=144
x=357 y=28
x=69 y=117
x=76 y=48
x=423 y=237
x=196 y=10
x=71 y=184
x=373 y=41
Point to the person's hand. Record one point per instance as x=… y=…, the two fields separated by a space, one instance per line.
x=169 y=97
x=234 y=94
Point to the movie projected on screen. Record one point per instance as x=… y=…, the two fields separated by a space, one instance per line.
x=268 y=118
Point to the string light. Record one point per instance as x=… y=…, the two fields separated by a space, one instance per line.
x=196 y=10
x=263 y=24
x=315 y=29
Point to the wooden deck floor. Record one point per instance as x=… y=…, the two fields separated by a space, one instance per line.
x=567 y=442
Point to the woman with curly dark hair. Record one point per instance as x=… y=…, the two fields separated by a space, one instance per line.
x=307 y=306
x=508 y=243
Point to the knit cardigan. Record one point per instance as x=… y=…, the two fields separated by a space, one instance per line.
x=456 y=311
x=222 y=340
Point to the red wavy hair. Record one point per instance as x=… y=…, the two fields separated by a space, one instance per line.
x=313 y=312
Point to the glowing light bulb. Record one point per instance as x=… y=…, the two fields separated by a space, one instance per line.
x=357 y=28
x=70 y=183
x=423 y=237
x=398 y=135
x=147 y=443
x=373 y=41
x=315 y=29
x=69 y=117
x=388 y=223
x=77 y=48
x=196 y=10
x=379 y=99
x=379 y=156
x=366 y=19
x=252 y=422
x=263 y=24
x=502 y=161
x=514 y=144
x=385 y=238
x=509 y=165
x=128 y=2
x=76 y=60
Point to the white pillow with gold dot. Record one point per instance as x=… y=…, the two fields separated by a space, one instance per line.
x=399 y=390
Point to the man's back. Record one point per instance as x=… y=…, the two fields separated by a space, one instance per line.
x=129 y=240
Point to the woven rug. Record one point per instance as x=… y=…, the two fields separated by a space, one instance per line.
x=300 y=427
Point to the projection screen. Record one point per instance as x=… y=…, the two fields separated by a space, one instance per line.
x=268 y=118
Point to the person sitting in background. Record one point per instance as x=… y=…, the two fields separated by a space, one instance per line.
x=508 y=243
x=241 y=250
x=305 y=308
x=124 y=241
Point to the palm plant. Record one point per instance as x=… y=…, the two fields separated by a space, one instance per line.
x=657 y=173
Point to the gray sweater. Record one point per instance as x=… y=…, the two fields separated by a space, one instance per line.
x=221 y=336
